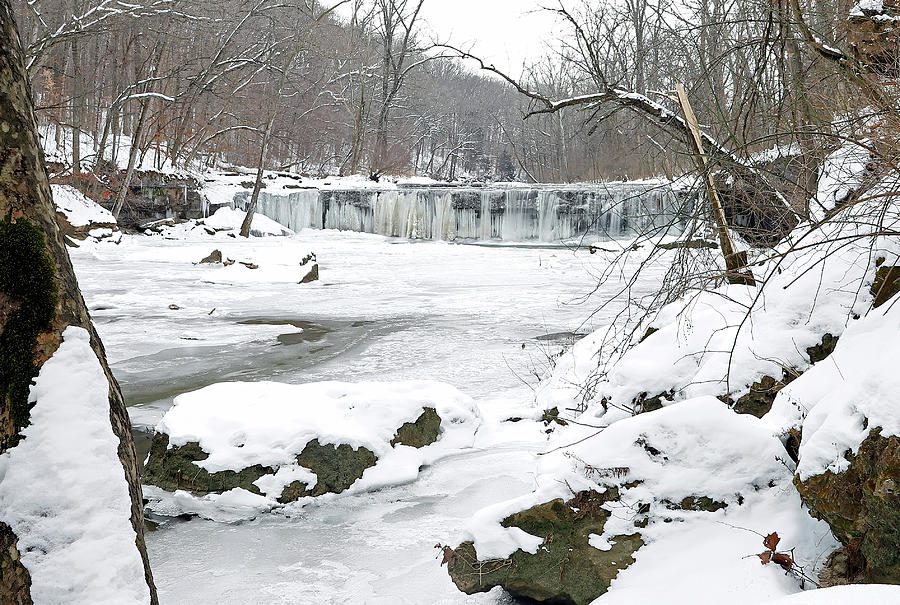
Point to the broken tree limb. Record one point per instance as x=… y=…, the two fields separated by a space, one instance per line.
x=735 y=263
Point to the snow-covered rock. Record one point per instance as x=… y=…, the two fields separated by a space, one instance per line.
x=849 y=456
x=230 y=219
x=686 y=492
x=842 y=173
x=81 y=218
x=63 y=490
x=263 y=444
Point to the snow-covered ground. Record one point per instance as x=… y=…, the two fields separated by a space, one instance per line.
x=384 y=310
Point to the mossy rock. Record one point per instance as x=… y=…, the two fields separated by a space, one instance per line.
x=758 y=401
x=215 y=257
x=566 y=569
x=423 y=432
x=336 y=467
x=886 y=284
x=551 y=416
x=643 y=404
x=821 y=351
x=862 y=507
x=173 y=469
x=311 y=275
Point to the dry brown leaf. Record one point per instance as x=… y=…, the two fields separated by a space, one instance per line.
x=765 y=557
x=771 y=541
x=784 y=560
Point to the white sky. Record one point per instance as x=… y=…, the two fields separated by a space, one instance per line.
x=503 y=32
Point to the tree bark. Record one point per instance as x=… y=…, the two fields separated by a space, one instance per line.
x=132 y=158
x=39 y=297
x=257 y=185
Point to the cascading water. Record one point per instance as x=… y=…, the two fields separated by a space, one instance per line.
x=517 y=214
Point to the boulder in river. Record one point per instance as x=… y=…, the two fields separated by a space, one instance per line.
x=284 y=442
x=214 y=258
x=313 y=273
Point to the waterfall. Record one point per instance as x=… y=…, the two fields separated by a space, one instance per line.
x=518 y=214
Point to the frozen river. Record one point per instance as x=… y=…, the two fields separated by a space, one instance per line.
x=477 y=317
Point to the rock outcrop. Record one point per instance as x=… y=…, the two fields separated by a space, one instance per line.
x=862 y=507
x=80 y=218
x=566 y=568
x=336 y=467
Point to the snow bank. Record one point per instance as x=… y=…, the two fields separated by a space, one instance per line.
x=228 y=219
x=839 y=401
x=723 y=341
x=864 y=7
x=841 y=174
x=267 y=423
x=697 y=449
x=79 y=210
x=860 y=594
x=63 y=490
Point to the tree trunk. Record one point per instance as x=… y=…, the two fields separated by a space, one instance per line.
x=77 y=105
x=257 y=186
x=39 y=299
x=132 y=158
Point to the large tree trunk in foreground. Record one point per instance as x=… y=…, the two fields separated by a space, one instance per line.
x=39 y=300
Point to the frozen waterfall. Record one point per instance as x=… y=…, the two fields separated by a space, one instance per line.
x=517 y=214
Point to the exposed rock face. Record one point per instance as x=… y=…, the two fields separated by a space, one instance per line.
x=336 y=467
x=873 y=35
x=424 y=431
x=758 y=401
x=173 y=469
x=886 y=284
x=566 y=569
x=213 y=258
x=862 y=506
x=84 y=231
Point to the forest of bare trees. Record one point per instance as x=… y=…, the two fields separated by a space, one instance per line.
x=204 y=83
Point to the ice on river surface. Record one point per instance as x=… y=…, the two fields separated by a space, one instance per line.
x=385 y=309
